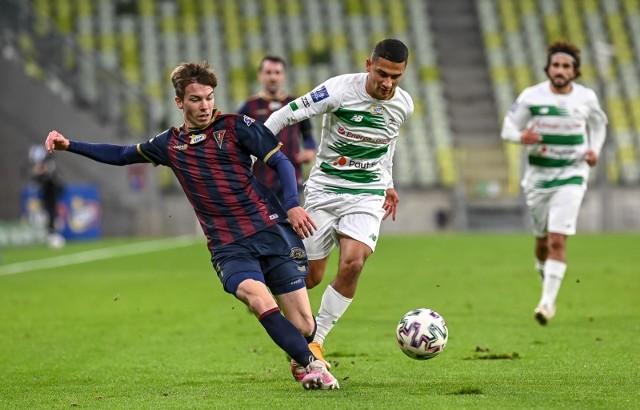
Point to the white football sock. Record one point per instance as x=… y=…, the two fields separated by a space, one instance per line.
x=553 y=273
x=333 y=306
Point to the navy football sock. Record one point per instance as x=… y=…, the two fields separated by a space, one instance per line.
x=287 y=336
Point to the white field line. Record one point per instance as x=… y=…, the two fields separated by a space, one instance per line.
x=99 y=254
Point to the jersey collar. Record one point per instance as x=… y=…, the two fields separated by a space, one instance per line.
x=215 y=114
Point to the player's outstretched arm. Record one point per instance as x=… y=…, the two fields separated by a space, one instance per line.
x=106 y=153
x=298 y=216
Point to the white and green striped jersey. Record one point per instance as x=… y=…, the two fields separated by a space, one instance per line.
x=570 y=124
x=359 y=133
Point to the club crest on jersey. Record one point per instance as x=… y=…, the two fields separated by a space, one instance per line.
x=248 y=121
x=218 y=136
x=197 y=138
x=298 y=253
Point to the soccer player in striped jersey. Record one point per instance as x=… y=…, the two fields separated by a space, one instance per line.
x=563 y=128
x=297 y=139
x=255 y=245
x=350 y=189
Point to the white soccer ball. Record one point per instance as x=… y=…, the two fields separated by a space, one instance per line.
x=422 y=334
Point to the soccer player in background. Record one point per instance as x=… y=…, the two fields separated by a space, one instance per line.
x=44 y=172
x=297 y=139
x=350 y=189
x=561 y=124
x=255 y=244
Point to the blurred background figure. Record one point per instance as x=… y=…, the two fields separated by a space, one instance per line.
x=564 y=129
x=297 y=139
x=44 y=173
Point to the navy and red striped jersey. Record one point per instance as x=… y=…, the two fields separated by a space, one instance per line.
x=213 y=166
x=293 y=137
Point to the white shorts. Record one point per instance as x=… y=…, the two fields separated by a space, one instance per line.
x=556 y=210
x=356 y=216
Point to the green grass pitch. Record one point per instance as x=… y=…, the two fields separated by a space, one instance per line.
x=153 y=329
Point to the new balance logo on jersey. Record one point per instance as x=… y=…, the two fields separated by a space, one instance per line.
x=357 y=118
x=373 y=237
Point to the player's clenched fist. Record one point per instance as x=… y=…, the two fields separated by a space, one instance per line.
x=56 y=142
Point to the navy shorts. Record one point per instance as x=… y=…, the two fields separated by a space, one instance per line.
x=274 y=256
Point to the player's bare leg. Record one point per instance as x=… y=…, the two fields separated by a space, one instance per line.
x=256 y=296
x=317 y=268
x=297 y=309
x=353 y=255
x=340 y=292
x=542 y=253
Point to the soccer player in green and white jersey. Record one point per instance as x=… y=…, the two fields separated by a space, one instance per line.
x=564 y=129
x=350 y=189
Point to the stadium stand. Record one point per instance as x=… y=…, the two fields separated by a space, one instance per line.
x=115 y=56
x=503 y=86
x=141 y=41
x=431 y=111
x=607 y=33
